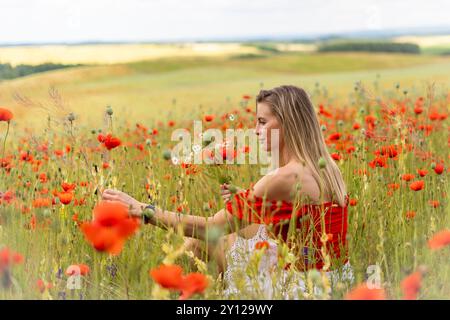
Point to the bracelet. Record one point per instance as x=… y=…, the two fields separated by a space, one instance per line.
x=147 y=213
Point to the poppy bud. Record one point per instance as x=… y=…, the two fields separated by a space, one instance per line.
x=109 y=111
x=322 y=163
x=71 y=117
x=167 y=154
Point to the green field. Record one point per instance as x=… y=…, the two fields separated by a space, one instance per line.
x=161 y=88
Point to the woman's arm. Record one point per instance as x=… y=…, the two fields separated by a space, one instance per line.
x=196 y=226
x=193 y=226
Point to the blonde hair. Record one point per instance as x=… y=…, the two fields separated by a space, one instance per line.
x=303 y=137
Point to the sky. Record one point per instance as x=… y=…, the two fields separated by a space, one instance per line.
x=34 y=21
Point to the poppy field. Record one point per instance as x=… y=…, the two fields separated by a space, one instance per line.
x=390 y=136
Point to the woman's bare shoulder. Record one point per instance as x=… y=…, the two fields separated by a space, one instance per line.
x=288 y=182
x=279 y=184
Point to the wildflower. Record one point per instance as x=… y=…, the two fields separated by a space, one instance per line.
x=411 y=286
x=171 y=277
x=408 y=177
x=193 y=283
x=422 y=172
x=9 y=258
x=439 y=168
x=110 y=228
x=65 y=197
x=209 y=118
x=362 y=292
x=417 y=185
x=68 y=186
x=111 y=142
x=439 y=240
x=5 y=115
x=410 y=214
x=168 y=276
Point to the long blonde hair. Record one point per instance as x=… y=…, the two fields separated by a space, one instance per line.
x=303 y=137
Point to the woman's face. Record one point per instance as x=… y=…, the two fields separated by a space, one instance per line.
x=267 y=126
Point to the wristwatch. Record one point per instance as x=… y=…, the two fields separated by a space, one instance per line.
x=148 y=212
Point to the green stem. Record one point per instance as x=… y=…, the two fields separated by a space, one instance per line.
x=4 y=141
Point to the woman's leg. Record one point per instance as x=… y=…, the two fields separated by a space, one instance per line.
x=216 y=251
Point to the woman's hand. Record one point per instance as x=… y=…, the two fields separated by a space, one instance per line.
x=135 y=207
x=227 y=190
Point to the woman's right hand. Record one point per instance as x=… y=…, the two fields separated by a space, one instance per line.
x=227 y=190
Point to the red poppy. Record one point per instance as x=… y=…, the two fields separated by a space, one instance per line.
x=422 y=172
x=110 y=228
x=411 y=286
x=68 y=186
x=440 y=240
x=336 y=156
x=193 y=283
x=5 y=115
x=417 y=185
x=9 y=258
x=42 y=202
x=168 y=276
x=363 y=292
x=65 y=197
x=334 y=136
x=408 y=176
x=209 y=118
x=439 y=168
x=111 y=142
x=410 y=214
x=353 y=202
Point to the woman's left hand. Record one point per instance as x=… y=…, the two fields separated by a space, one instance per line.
x=135 y=207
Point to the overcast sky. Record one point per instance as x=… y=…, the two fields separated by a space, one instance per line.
x=140 y=20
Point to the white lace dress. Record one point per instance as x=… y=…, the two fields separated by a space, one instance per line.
x=248 y=276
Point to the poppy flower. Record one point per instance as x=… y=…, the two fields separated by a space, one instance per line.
x=42 y=202
x=168 y=276
x=422 y=172
x=111 y=142
x=410 y=214
x=65 y=197
x=5 y=115
x=411 y=286
x=353 y=202
x=335 y=136
x=9 y=258
x=209 y=118
x=110 y=228
x=363 y=292
x=78 y=269
x=417 y=185
x=193 y=283
x=439 y=240
x=68 y=186
x=408 y=176
x=336 y=156
x=439 y=168
x=42 y=286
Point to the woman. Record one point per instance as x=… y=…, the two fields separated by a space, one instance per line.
x=306 y=170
